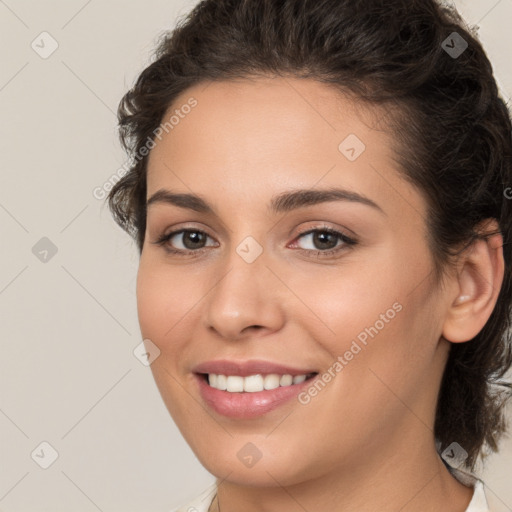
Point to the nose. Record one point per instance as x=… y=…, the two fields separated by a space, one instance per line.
x=245 y=300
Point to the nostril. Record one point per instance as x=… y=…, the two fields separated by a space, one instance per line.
x=256 y=327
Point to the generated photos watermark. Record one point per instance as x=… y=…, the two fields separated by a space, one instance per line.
x=356 y=347
x=102 y=191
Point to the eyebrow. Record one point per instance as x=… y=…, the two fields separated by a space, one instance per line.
x=281 y=203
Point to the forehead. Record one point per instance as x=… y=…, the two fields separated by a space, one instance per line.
x=260 y=116
x=260 y=136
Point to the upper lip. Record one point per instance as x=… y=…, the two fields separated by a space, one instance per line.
x=245 y=368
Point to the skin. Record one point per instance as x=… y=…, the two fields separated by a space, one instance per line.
x=365 y=442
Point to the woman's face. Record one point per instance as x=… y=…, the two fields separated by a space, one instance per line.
x=252 y=291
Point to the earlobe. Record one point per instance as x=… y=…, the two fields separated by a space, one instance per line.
x=477 y=286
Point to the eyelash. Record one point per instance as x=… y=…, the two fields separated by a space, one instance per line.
x=347 y=242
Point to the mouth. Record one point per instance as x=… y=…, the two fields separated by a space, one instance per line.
x=253 y=383
x=242 y=393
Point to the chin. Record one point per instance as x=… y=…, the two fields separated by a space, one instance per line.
x=241 y=463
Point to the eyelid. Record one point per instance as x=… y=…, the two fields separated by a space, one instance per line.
x=165 y=237
x=347 y=241
x=178 y=228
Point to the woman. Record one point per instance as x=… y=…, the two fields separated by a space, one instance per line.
x=317 y=191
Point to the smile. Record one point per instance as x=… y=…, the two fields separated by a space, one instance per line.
x=253 y=383
x=250 y=396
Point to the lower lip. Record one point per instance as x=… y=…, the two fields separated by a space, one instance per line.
x=248 y=405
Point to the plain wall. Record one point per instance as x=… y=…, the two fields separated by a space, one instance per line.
x=68 y=375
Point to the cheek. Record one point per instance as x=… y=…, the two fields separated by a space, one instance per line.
x=351 y=298
x=379 y=315
x=152 y=300
x=165 y=302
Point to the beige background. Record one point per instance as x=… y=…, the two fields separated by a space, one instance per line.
x=69 y=325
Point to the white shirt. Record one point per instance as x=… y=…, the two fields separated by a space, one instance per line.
x=478 y=502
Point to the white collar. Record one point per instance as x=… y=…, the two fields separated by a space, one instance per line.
x=478 y=502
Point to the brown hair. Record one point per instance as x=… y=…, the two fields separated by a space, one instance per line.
x=452 y=132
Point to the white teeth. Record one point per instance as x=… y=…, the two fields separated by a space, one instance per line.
x=235 y=384
x=222 y=382
x=271 y=381
x=252 y=383
x=286 y=380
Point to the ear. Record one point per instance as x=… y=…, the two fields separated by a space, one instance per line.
x=476 y=285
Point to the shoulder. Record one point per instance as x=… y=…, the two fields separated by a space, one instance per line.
x=199 y=504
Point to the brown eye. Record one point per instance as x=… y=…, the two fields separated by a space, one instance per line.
x=323 y=242
x=325 y=239
x=184 y=240
x=192 y=239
